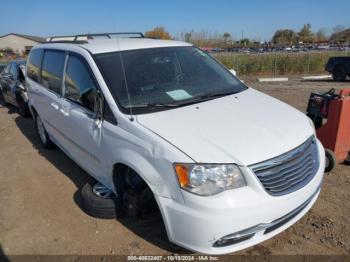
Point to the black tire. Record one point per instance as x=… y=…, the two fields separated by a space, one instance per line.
x=339 y=73
x=331 y=161
x=97 y=206
x=44 y=138
x=23 y=108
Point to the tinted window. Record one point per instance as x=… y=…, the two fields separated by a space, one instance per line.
x=79 y=84
x=52 y=70
x=7 y=69
x=33 y=65
x=14 y=70
x=165 y=77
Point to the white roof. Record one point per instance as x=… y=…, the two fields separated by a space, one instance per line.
x=122 y=44
x=98 y=46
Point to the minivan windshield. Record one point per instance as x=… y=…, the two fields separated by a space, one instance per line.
x=148 y=80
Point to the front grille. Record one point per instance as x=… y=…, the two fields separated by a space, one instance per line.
x=291 y=171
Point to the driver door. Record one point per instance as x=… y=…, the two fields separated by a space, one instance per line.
x=83 y=132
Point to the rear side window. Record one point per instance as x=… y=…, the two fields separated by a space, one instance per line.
x=33 y=65
x=79 y=84
x=52 y=70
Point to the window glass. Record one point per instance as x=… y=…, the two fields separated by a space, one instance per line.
x=79 y=84
x=163 y=78
x=14 y=70
x=52 y=70
x=33 y=65
x=7 y=69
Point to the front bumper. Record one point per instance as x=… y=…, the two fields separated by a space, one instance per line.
x=200 y=222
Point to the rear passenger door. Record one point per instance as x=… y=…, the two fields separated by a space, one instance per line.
x=49 y=93
x=81 y=128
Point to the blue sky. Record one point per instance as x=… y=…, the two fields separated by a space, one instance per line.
x=257 y=18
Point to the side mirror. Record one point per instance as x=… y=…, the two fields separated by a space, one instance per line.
x=98 y=106
x=233 y=72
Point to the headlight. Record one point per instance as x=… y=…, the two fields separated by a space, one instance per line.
x=209 y=179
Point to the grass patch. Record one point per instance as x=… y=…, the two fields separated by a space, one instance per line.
x=278 y=63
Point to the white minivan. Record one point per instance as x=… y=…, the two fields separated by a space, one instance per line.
x=227 y=165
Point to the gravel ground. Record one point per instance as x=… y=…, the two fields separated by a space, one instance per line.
x=40 y=206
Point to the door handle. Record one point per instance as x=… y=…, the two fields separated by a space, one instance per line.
x=54 y=105
x=64 y=112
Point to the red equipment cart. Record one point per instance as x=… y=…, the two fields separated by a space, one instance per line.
x=330 y=113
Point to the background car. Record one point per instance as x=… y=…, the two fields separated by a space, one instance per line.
x=2 y=66
x=12 y=86
x=339 y=67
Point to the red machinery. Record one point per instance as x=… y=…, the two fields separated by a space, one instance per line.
x=330 y=113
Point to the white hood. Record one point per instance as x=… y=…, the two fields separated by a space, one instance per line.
x=245 y=128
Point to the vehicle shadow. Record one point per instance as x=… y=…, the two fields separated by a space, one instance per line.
x=10 y=108
x=151 y=227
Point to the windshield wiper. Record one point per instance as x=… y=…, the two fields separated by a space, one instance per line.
x=205 y=97
x=218 y=94
x=193 y=100
x=152 y=105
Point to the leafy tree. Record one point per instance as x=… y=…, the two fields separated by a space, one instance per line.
x=284 y=37
x=305 y=34
x=245 y=41
x=188 y=37
x=341 y=37
x=226 y=36
x=338 y=28
x=159 y=33
x=321 y=35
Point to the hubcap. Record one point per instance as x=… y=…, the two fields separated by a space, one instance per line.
x=41 y=130
x=102 y=191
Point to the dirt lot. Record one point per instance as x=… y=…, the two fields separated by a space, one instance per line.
x=40 y=210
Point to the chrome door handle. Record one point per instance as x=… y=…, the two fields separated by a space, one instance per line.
x=54 y=105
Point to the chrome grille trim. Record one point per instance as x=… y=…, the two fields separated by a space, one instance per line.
x=289 y=172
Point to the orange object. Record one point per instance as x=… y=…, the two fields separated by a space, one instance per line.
x=335 y=133
x=182 y=174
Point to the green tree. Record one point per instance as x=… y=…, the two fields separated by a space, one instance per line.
x=188 y=37
x=341 y=37
x=159 y=33
x=305 y=35
x=321 y=35
x=284 y=37
x=226 y=36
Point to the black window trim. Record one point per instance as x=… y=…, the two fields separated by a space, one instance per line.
x=42 y=50
x=113 y=121
x=98 y=88
x=41 y=66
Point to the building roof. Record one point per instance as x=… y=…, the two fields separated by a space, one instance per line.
x=30 y=37
x=98 y=46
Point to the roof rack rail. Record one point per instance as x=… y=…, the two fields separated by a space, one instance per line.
x=85 y=37
x=66 y=42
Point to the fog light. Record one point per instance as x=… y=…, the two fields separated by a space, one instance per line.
x=232 y=239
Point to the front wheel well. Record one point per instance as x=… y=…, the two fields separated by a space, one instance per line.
x=125 y=176
x=135 y=195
